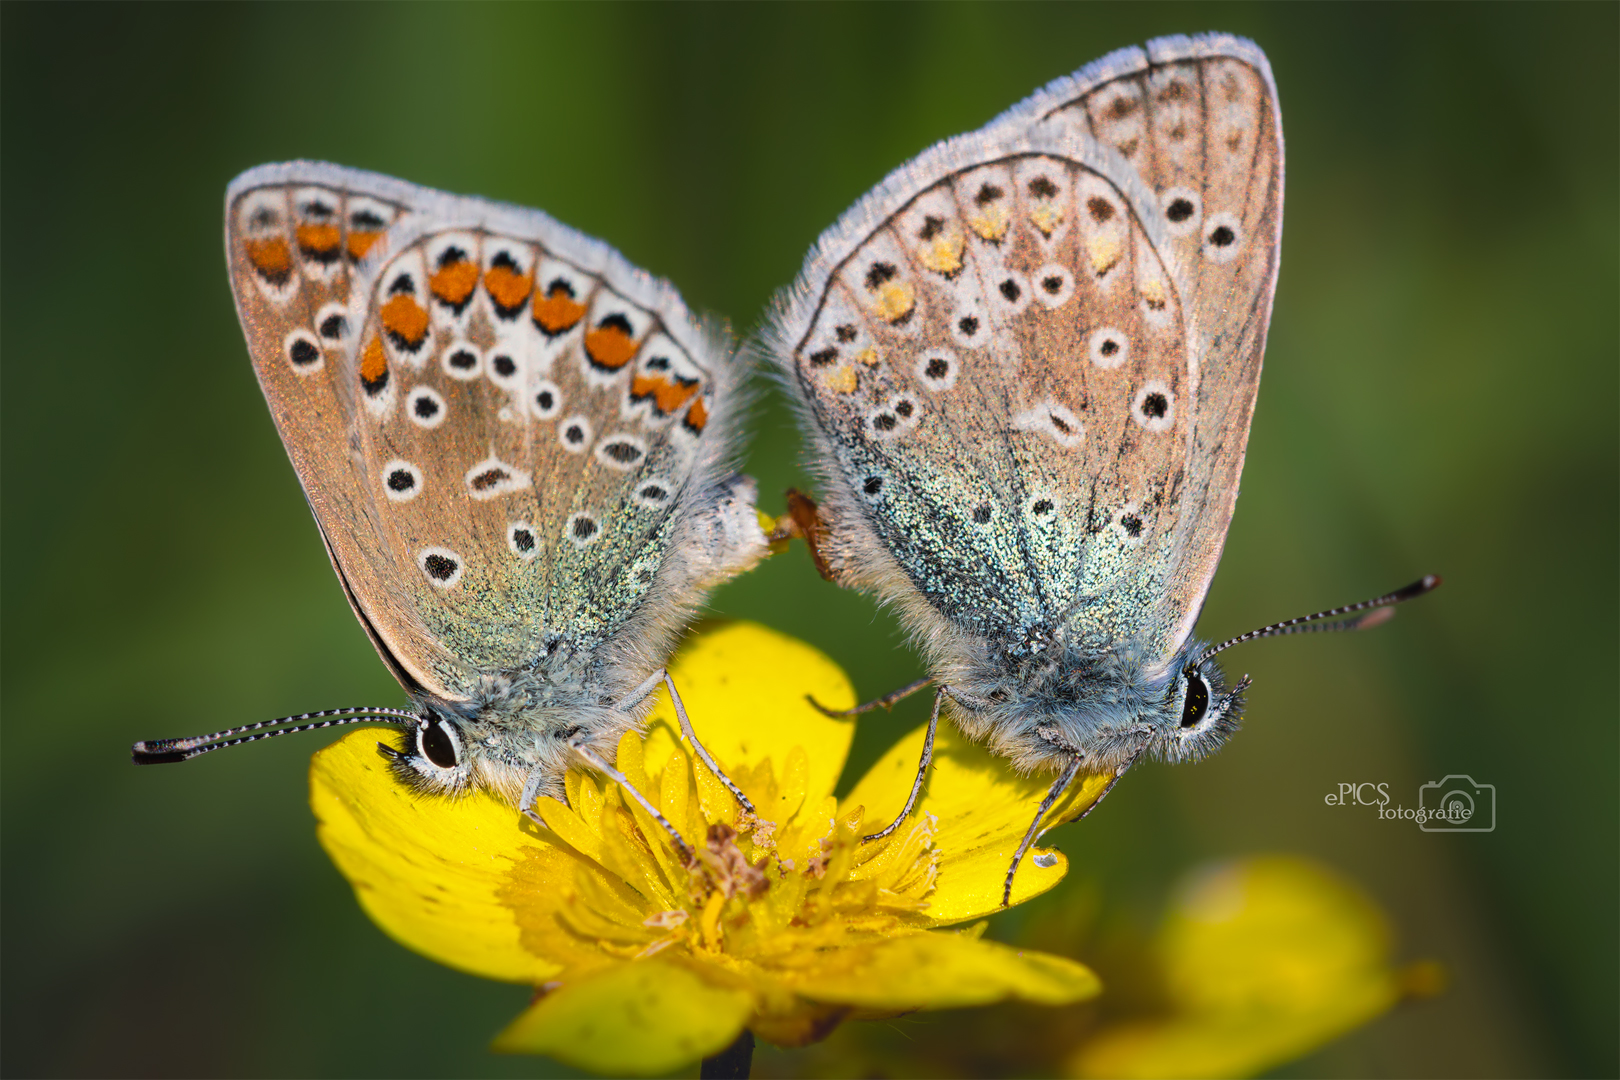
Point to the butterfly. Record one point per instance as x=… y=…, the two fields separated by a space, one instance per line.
x=519 y=450
x=1026 y=363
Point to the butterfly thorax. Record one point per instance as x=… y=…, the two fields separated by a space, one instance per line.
x=1041 y=710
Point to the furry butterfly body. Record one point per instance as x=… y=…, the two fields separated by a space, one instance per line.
x=518 y=448
x=1027 y=363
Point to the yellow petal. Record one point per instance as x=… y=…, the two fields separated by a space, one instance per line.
x=1264 y=960
x=636 y=1019
x=430 y=872
x=942 y=970
x=744 y=687
x=983 y=810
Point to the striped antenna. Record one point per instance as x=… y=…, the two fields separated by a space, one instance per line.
x=1371 y=612
x=163 y=751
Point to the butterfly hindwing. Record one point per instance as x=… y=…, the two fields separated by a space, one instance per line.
x=506 y=430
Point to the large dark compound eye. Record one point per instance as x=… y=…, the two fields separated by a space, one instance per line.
x=438 y=742
x=1197 y=699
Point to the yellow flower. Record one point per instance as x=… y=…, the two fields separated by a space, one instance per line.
x=785 y=924
x=1263 y=960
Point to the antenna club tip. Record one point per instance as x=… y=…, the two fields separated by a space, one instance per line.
x=1426 y=583
x=155 y=753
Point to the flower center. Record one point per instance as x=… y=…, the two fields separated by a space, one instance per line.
x=766 y=890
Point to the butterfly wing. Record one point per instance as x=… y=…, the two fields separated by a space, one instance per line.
x=507 y=435
x=1030 y=381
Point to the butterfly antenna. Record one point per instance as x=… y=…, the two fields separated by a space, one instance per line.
x=1366 y=614
x=163 y=751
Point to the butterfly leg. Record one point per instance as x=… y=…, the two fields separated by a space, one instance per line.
x=639 y=694
x=531 y=792
x=1046 y=804
x=595 y=761
x=1062 y=783
x=922 y=770
x=886 y=701
x=691 y=737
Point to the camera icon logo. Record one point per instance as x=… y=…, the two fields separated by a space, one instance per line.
x=1457 y=804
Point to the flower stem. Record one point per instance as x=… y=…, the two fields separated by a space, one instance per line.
x=733 y=1063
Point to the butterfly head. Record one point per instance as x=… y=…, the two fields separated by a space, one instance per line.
x=1198 y=713
x=434 y=755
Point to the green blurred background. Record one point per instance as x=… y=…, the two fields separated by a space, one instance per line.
x=1440 y=395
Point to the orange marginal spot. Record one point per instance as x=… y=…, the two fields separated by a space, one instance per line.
x=319 y=239
x=558 y=311
x=454 y=282
x=610 y=346
x=374 y=366
x=697 y=417
x=405 y=320
x=667 y=396
x=270 y=257
x=360 y=241
x=507 y=287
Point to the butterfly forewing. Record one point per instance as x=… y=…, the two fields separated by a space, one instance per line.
x=1198 y=121
x=495 y=439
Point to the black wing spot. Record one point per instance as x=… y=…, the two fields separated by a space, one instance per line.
x=504 y=366
x=523 y=539
x=584 y=528
x=823 y=357
x=425 y=407
x=574 y=434
x=402 y=284
x=1042 y=506
x=462 y=360
x=932 y=227
x=440 y=567
x=968 y=325
x=334 y=326
x=623 y=452
x=988 y=194
x=1180 y=210
x=1154 y=406
x=878 y=273
x=1132 y=525
x=904 y=408
x=1042 y=188
x=938 y=367
x=1222 y=236
x=873 y=485
x=303 y=352
x=401 y=480
x=1053 y=284
x=1011 y=291
x=846 y=333
x=885 y=421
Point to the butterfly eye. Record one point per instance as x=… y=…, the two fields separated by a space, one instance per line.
x=1197 y=699
x=439 y=743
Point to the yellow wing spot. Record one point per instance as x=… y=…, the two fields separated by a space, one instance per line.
x=319 y=239
x=271 y=257
x=991 y=222
x=841 y=379
x=943 y=254
x=1046 y=217
x=895 y=300
x=1104 y=252
x=1153 y=293
x=868 y=356
x=405 y=320
x=507 y=287
x=454 y=282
